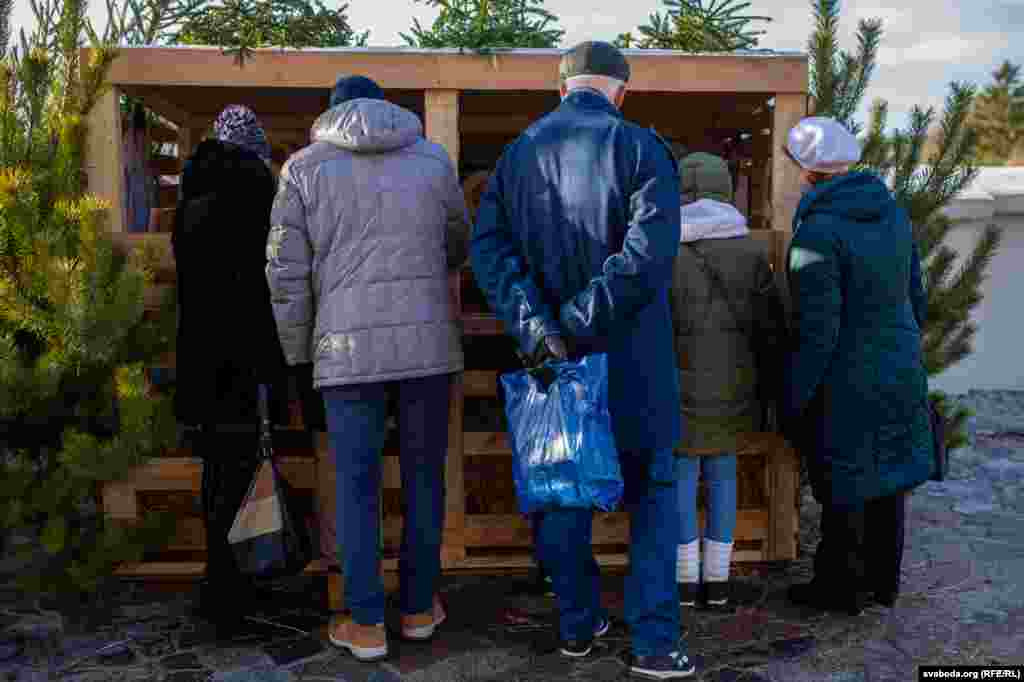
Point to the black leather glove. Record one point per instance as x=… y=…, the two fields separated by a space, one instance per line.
x=551 y=348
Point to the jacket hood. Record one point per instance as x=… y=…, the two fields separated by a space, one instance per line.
x=857 y=196
x=710 y=219
x=368 y=126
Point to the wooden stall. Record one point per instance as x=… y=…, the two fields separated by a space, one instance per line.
x=739 y=105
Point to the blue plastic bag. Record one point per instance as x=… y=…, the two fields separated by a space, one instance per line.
x=562 y=444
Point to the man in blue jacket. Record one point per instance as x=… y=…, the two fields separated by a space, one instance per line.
x=574 y=245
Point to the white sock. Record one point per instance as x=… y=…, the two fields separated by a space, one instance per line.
x=717 y=557
x=688 y=562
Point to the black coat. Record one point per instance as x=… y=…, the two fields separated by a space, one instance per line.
x=227 y=339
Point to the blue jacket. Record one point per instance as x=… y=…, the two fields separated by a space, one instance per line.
x=576 y=235
x=856 y=382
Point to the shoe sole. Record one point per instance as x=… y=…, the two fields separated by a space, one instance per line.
x=424 y=632
x=658 y=675
x=576 y=654
x=364 y=654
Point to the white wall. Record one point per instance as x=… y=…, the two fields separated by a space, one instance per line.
x=998 y=358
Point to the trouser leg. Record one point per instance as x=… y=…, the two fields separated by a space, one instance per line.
x=423 y=425
x=652 y=500
x=885 y=521
x=356 y=425
x=565 y=544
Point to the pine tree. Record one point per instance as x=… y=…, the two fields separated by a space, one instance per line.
x=240 y=26
x=482 y=25
x=74 y=405
x=922 y=185
x=999 y=116
x=696 y=26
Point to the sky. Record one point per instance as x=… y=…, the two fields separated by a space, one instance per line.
x=927 y=43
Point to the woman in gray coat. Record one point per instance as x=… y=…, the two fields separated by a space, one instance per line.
x=723 y=289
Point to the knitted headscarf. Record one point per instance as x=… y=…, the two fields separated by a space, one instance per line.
x=238 y=125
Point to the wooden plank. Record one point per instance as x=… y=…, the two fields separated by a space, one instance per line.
x=478 y=443
x=496 y=443
x=481 y=383
x=789 y=109
x=103 y=155
x=185 y=473
x=784 y=485
x=653 y=71
x=154 y=100
x=195 y=569
x=442 y=120
x=165 y=165
x=512 y=530
x=120 y=502
x=477 y=324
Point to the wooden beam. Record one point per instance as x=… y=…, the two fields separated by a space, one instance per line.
x=103 y=153
x=453 y=549
x=789 y=109
x=783 y=474
x=442 y=120
x=537 y=70
x=166 y=108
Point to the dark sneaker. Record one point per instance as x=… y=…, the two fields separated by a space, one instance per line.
x=549 y=590
x=688 y=593
x=673 y=666
x=813 y=596
x=716 y=594
x=578 y=648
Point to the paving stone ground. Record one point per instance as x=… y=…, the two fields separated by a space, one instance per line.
x=962 y=602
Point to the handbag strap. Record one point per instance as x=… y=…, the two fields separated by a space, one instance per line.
x=266 y=443
x=715 y=279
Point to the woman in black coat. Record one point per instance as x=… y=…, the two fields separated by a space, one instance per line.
x=227 y=340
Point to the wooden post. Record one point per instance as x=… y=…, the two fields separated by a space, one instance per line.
x=442 y=114
x=783 y=470
x=789 y=109
x=104 y=151
x=453 y=550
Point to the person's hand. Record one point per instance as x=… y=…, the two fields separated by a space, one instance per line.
x=550 y=349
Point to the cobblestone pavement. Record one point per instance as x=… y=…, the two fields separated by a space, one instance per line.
x=962 y=602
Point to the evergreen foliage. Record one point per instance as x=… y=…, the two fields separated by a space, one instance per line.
x=698 y=26
x=923 y=185
x=483 y=25
x=238 y=26
x=74 y=406
x=999 y=116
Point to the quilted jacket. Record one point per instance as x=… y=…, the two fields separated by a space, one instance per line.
x=575 y=236
x=857 y=387
x=715 y=348
x=366 y=223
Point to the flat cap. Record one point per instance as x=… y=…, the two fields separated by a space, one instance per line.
x=594 y=58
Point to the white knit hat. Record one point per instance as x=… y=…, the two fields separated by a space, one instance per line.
x=823 y=145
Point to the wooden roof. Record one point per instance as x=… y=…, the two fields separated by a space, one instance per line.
x=199 y=80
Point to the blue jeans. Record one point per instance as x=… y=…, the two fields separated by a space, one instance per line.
x=356 y=421
x=652 y=604
x=720 y=476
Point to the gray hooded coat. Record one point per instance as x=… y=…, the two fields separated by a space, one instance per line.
x=366 y=224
